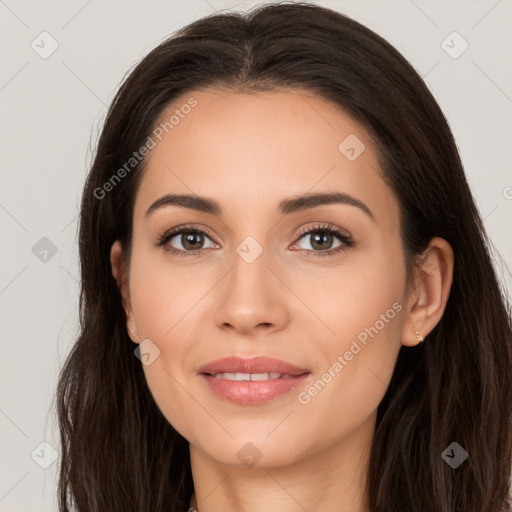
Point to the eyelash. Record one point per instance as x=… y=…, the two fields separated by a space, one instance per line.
x=347 y=241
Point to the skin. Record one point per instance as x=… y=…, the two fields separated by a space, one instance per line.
x=248 y=152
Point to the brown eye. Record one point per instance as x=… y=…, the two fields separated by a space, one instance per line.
x=322 y=239
x=188 y=240
x=191 y=240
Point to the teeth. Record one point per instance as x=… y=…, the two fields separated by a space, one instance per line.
x=250 y=376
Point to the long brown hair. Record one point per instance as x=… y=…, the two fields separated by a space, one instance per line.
x=118 y=451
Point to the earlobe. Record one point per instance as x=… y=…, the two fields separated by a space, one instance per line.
x=427 y=301
x=119 y=272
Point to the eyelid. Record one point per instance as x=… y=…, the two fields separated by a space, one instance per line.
x=176 y=230
x=325 y=226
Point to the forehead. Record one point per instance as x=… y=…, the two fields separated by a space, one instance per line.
x=251 y=150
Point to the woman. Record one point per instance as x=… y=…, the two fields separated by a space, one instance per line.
x=278 y=219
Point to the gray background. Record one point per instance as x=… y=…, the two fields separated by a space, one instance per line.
x=51 y=114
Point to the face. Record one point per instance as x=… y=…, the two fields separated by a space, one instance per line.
x=321 y=287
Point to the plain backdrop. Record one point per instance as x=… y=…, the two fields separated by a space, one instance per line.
x=52 y=108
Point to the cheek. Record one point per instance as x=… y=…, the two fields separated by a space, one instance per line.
x=355 y=295
x=166 y=299
x=361 y=305
x=161 y=299
x=161 y=293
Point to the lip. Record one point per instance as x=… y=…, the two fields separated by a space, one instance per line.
x=252 y=392
x=260 y=364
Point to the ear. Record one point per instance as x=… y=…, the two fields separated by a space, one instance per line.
x=120 y=273
x=427 y=299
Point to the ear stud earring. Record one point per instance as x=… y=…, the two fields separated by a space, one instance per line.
x=420 y=337
x=131 y=335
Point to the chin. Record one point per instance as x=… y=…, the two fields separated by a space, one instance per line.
x=251 y=451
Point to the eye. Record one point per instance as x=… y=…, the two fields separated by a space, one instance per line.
x=322 y=240
x=188 y=238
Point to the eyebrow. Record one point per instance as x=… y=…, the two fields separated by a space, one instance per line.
x=285 y=207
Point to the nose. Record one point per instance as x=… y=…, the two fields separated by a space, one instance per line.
x=252 y=297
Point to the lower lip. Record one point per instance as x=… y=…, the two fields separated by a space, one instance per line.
x=252 y=392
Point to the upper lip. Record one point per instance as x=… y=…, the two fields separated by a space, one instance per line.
x=258 y=364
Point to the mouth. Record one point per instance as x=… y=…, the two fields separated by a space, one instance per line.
x=251 y=381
